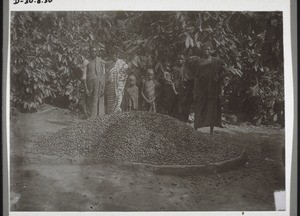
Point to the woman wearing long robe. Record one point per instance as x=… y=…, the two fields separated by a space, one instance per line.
x=94 y=84
x=115 y=82
x=167 y=93
x=183 y=79
x=207 y=89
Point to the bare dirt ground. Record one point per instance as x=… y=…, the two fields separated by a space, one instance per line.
x=40 y=183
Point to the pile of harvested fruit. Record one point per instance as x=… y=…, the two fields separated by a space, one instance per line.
x=142 y=137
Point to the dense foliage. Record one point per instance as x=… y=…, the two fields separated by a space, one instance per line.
x=47 y=50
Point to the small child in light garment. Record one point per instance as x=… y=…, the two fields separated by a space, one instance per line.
x=131 y=95
x=149 y=92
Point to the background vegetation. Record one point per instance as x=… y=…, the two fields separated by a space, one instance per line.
x=47 y=50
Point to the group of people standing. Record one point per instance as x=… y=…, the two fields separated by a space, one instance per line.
x=189 y=84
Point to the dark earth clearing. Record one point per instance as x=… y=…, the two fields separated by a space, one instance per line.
x=49 y=183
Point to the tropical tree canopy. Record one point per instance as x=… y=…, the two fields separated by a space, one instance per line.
x=47 y=49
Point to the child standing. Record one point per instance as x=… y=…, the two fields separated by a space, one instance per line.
x=131 y=95
x=149 y=92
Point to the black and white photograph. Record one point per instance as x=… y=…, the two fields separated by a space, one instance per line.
x=147 y=111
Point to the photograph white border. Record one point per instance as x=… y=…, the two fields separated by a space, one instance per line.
x=171 y=5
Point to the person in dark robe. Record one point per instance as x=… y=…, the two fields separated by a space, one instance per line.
x=183 y=79
x=207 y=88
x=168 y=94
x=94 y=83
x=131 y=95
